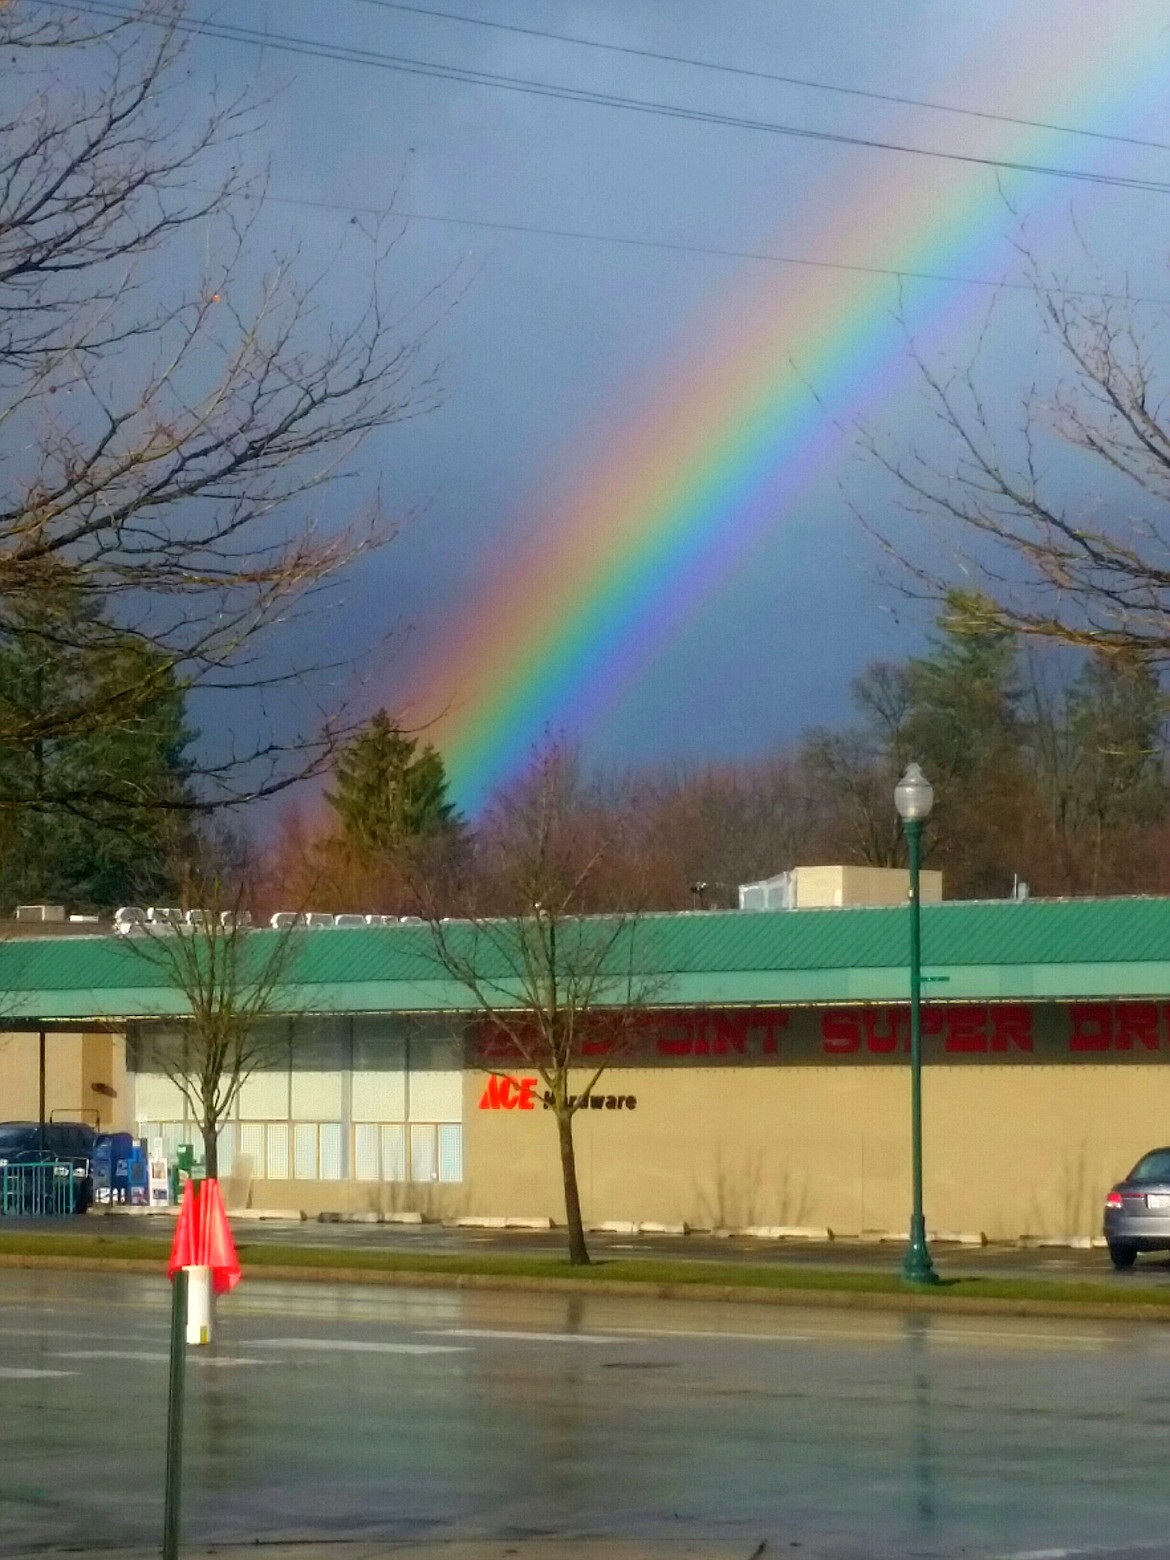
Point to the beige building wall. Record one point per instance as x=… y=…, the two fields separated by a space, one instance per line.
x=1008 y=1151
x=85 y=1074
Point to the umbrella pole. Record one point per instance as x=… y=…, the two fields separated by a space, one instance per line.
x=174 y=1473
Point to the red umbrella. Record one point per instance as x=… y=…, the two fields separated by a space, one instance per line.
x=203 y=1237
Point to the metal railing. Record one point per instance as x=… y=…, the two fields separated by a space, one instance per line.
x=44 y=1190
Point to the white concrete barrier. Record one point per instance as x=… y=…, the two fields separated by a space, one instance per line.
x=482 y=1222
x=786 y=1232
x=283 y=1214
x=541 y=1223
x=653 y=1228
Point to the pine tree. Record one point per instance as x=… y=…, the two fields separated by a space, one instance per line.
x=93 y=775
x=389 y=793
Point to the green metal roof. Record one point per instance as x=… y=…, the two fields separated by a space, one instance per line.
x=982 y=950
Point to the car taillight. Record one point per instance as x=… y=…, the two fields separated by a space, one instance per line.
x=1114 y=1200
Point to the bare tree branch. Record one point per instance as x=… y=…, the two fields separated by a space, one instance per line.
x=178 y=439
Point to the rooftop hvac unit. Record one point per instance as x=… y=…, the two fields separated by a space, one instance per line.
x=40 y=912
x=774 y=893
x=346 y=920
x=128 y=915
x=230 y=918
x=320 y=920
x=164 y=915
x=282 y=920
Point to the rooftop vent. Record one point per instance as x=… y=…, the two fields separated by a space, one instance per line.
x=774 y=893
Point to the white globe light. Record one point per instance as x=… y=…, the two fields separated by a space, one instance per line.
x=913 y=796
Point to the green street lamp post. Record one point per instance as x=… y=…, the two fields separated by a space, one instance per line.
x=914 y=798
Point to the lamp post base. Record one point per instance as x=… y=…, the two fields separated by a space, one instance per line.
x=917 y=1268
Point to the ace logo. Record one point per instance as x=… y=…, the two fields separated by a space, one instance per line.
x=505 y=1093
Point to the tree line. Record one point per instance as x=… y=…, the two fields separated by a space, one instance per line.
x=1049 y=769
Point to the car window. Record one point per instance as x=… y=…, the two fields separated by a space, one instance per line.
x=16 y=1139
x=70 y=1140
x=1152 y=1167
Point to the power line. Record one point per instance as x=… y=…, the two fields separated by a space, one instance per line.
x=761 y=75
x=313 y=48
x=579 y=235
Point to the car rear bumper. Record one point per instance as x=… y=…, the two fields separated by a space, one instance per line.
x=1140 y=1226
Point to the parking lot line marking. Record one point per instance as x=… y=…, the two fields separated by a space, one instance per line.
x=896 y=1338
x=351 y=1346
x=154 y=1358
x=67 y=1332
x=24 y=1373
x=110 y=1354
x=509 y=1336
x=224 y=1361
x=714 y=1336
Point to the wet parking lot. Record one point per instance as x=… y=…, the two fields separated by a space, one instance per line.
x=323 y=1411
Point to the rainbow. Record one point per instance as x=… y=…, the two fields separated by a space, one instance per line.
x=704 y=474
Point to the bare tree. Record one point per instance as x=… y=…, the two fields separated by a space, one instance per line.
x=171 y=419
x=227 y=976
x=561 y=991
x=1056 y=504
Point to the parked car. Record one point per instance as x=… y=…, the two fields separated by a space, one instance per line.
x=67 y=1142
x=1137 y=1210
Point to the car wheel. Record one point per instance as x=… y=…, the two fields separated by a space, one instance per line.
x=1122 y=1253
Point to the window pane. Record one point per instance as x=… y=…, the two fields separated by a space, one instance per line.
x=450 y=1153
x=250 y=1153
x=365 y=1152
x=277 y=1162
x=422 y=1154
x=330 y=1150
x=227 y=1148
x=305 y=1151
x=394 y=1153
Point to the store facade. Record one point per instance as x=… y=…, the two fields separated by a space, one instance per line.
x=767 y=1085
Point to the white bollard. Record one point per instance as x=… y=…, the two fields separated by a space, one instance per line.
x=199 y=1305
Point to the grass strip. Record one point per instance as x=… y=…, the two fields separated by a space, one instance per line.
x=649 y=1272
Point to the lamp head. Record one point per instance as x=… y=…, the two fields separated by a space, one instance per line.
x=914 y=796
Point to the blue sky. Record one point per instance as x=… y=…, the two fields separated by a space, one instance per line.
x=543 y=342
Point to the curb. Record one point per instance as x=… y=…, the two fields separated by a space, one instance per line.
x=826 y=1299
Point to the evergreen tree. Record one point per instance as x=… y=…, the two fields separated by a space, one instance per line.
x=962 y=715
x=93 y=775
x=1110 y=785
x=389 y=793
